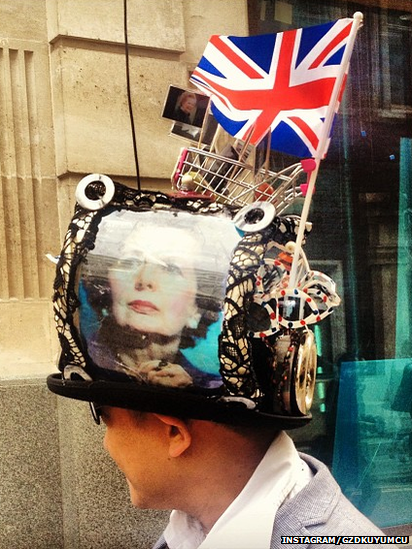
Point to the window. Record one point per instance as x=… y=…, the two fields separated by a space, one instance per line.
x=361 y=228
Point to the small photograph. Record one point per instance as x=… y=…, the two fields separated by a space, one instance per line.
x=186 y=131
x=151 y=296
x=185 y=106
x=261 y=153
x=209 y=129
x=193 y=133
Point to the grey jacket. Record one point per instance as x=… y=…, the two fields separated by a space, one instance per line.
x=320 y=509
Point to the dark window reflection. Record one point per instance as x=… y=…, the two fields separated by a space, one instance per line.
x=361 y=223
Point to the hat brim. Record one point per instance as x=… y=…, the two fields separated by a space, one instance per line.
x=168 y=401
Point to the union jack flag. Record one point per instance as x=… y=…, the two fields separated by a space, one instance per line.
x=282 y=83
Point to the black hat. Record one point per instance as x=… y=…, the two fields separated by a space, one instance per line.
x=180 y=305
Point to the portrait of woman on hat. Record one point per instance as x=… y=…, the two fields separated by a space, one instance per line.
x=151 y=298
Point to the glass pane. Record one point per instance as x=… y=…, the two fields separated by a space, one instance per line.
x=362 y=238
x=375 y=414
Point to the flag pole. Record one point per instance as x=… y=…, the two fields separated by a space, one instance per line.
x=357 y=23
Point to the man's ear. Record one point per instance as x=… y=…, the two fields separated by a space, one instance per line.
x=180 y=437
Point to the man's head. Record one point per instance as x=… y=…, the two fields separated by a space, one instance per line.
x=163 y=457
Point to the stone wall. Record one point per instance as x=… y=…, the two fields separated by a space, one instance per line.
x=59 y=488
x=64 y=114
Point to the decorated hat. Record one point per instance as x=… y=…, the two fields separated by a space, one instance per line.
x=181 y=305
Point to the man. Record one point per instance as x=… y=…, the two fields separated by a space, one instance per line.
x=215 y=453
x=223 y=494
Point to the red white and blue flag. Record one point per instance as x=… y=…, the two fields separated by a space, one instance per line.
x=282 y=83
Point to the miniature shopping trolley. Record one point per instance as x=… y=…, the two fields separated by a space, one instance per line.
x=232 y=178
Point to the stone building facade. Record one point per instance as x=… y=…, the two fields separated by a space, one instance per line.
x=63 y=114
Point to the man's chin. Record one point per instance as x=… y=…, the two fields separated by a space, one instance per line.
x=135 y=498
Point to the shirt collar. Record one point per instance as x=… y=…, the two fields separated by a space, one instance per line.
x=249 y=518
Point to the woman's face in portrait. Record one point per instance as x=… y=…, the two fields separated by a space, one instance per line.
x=154 y=284
x=188 y=105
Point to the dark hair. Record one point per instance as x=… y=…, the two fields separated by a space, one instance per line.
x=256 y=429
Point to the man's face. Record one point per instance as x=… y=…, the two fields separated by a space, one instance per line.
x=136 y=445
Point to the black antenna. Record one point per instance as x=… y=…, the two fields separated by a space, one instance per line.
x=129 y=95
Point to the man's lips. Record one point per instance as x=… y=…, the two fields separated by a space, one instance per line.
x=143 y=307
